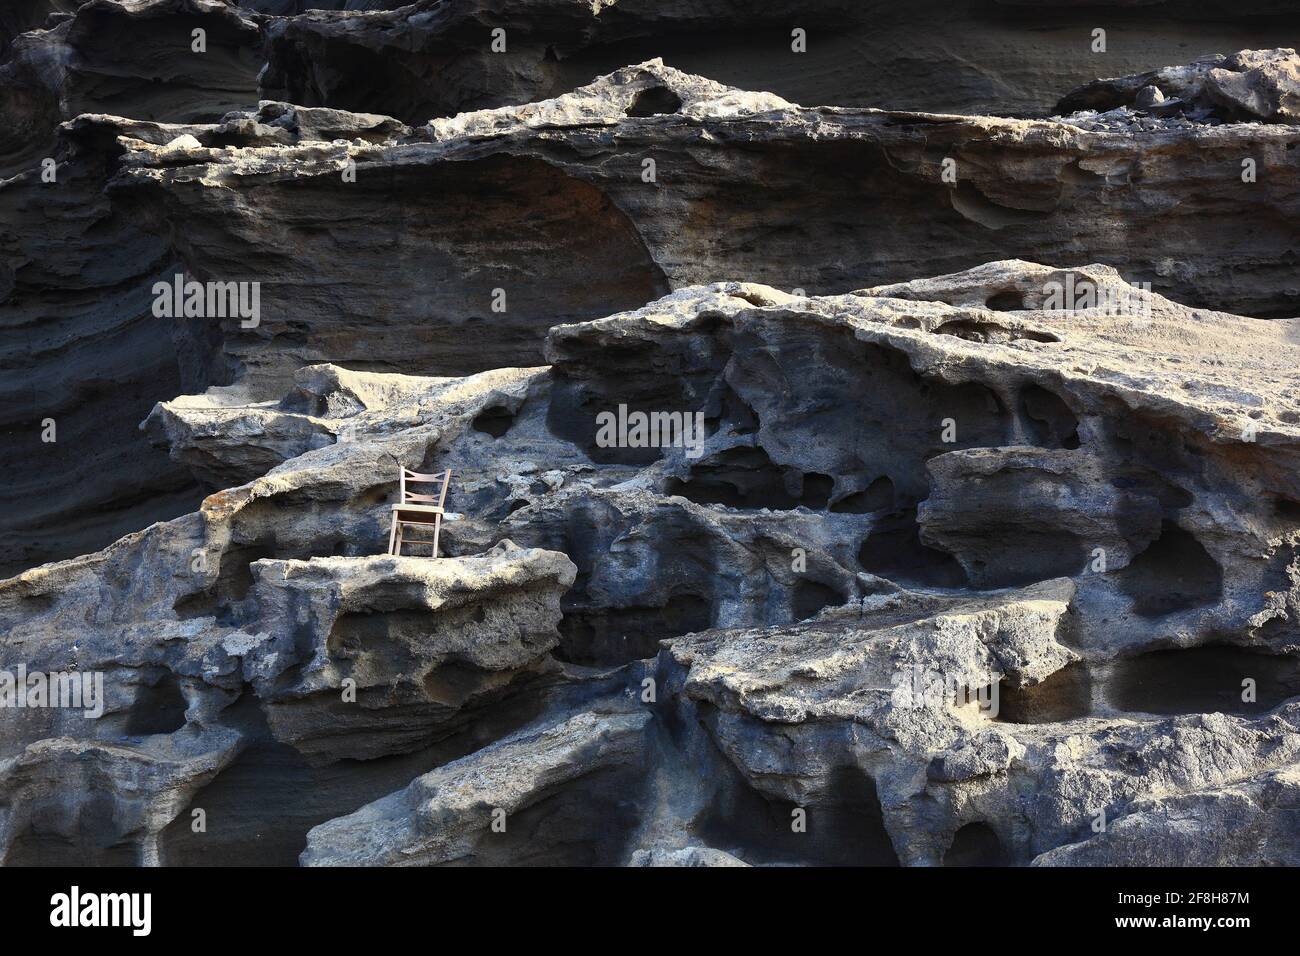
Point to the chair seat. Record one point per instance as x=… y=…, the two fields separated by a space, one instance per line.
x=424 y=509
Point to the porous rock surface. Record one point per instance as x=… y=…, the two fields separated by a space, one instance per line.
x=659 y=656
x=186 y=179
x=1253 y=85
x=740 y=189
x=436 y=57
x=994 y=566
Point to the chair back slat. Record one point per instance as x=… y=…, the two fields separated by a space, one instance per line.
x=416 y=476
x=442 y=478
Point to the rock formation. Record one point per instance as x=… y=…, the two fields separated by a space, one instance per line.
x=821 y=540
x=927 y=480
x=1251 y=86
x=346 y=278
x=433 y=57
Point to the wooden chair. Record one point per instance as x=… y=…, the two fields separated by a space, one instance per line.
x=415 y=510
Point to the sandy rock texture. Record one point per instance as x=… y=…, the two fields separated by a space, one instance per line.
x=434 y=57
x=739 y=190
x=881 y=453
x=1251 y=86
x=823 y=607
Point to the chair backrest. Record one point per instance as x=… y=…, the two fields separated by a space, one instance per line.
x=442 y=478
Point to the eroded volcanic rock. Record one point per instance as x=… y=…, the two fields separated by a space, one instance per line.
x=700 y=641
x=437 y=58
x=951 y=570
x=1250 y=86
x=578 y=769
x=413 y=289
x=78 y=343
x=137 y=58
x=454 y=279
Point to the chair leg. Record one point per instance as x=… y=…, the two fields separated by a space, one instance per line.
x=392 y=534
x=398 y=552
x=437 y=529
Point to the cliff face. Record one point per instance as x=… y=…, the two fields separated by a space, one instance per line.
x=747 y=186
x=933 y=473
x=623 y=207
x=821 y=538
x=432 y=57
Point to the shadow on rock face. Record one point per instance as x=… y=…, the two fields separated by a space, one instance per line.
x=1173 y=574
x=845 y=828
x=584 y=823
x=975 y=844
x=1064 y=695
x=1202 y=680
x=894 y=550
x=95 y=840
x=612 y=636
x=257 y=811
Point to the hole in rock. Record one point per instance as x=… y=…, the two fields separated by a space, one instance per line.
x=37 y=603
x=1174 y=573
x=602 y=637
x=494 y=421
x=1202 y=680
x=260 y=807
x=894 y=550
x=1286 y=508
x=1050 y=420
x=845 y=828
x=655 y=101
x=748 y=478
x=585 y=822
x=76 y=833
x=1074 y=174
x=201 y=604
x=1019 y=556
x=877 y=496
x=752 y=297
x=991 y=332
x=234 y=579
x=1064 y=695
x=158 y=708
x=1009 y=300
x=811 y=596
x=975 y=844
x=816 y=490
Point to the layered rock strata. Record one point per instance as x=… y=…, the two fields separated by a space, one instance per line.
x=826 y=605
x=646 y=180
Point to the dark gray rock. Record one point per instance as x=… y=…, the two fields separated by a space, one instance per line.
x=434 y=57
x=1249 y=86
x=740 y=638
